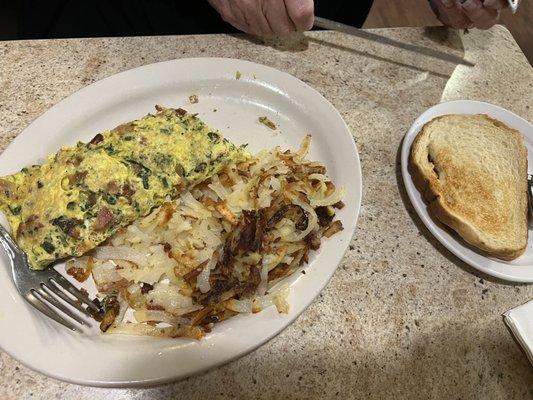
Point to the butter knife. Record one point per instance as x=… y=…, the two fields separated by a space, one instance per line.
x=364 y=34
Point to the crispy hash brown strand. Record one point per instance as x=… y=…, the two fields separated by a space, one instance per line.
x=218 y=250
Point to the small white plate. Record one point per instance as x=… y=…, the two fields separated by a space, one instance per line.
x=232 y=106
x=519 y=270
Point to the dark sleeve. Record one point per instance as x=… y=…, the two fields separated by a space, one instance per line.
x=350 y=12
x=94 y=18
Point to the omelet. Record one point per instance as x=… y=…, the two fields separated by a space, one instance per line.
x=82 y=195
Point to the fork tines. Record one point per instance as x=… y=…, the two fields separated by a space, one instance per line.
x=44 y=299
x=48 y=291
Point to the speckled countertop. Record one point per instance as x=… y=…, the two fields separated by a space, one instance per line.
x=402 y=317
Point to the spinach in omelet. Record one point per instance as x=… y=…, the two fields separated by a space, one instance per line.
x=82 y=195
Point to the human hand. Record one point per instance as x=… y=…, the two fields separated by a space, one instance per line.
x=267 y=18
x=482 y=14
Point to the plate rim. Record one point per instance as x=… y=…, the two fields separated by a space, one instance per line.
x=289 y=319
x=412 y=191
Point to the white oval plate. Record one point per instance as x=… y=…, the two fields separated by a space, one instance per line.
x=297 y=109
x=519 y=270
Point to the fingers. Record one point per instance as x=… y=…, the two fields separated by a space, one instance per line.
x=495 y=4
x=278 y=18
x=245 y=15
x=301 y=13
x=482 y=17
x=267 y=18
x=478 y=13
x=451 y=14
x=256 y=20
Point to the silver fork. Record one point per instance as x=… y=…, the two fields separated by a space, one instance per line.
x=46 y=290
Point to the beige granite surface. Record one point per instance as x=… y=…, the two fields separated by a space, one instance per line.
x=402 y=317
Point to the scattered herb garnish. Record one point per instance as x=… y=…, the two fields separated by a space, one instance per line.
x=144 y=178
x=48 y=247
x=213 y=136
x=15 y=210
x=110 y=150
x=110 y=199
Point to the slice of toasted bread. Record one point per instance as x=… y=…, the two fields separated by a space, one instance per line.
x=472 y=171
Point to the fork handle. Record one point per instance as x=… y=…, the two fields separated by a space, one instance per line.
x=8 y=243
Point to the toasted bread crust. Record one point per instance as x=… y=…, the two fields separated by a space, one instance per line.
x=427 y=185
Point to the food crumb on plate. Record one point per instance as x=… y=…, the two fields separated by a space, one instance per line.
x=238 y=75
x=268 y=123
x=193 y=99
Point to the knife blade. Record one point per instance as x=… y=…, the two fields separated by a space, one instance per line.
x=351 y=30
